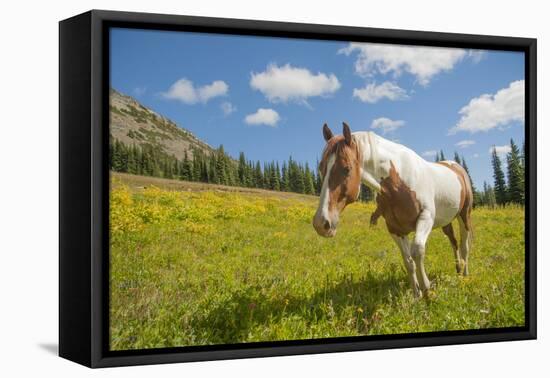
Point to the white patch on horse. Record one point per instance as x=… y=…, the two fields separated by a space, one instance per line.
x=323 y=209
x=367 y=177
x=447 y=188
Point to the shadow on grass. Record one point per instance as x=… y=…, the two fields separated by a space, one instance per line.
x=231 y=320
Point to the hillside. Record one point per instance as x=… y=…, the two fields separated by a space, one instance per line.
x=133 y=123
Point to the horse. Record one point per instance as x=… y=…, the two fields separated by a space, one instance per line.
x=412 y=195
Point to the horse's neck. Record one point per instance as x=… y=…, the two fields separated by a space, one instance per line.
x=375 y=154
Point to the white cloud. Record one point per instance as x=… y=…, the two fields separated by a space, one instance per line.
x=263 y=116
x=372 y=93
x=477 y=55
x=227 y=108
x=423 y=62
x=489 y=111
x=465 y=143
x=386 y=125
x=501 y=150
x=475 y=155
x=184 y=91
x=287 y=83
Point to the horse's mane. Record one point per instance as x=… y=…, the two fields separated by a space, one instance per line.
x=373 y=142
x=332 y=145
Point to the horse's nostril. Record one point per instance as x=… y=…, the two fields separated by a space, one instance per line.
x=326 y=225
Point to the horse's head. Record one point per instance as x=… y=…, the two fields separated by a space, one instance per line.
x=340 y=169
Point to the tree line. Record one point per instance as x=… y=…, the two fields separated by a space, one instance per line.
x=217 y=167
x=508 y=187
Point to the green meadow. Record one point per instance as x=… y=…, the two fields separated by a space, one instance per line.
x=198 y=264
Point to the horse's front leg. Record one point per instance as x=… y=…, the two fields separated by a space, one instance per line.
x=424 y=226
x=404 y=245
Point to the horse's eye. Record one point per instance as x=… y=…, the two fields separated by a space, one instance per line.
x=346 y=171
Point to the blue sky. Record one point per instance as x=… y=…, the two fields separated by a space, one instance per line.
x=269 y=97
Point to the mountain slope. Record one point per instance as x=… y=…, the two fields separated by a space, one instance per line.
x=133 y=123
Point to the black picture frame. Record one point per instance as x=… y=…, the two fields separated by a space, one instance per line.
x=84 y=187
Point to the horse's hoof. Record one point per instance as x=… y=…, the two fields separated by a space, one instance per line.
x=460 y=266
x=428 y=294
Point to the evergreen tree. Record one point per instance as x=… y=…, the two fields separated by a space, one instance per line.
x=258 y=176
x=267 y=176
x=515 y=172
x=204 y=172
x=166 y=170
x=318 y=183
x=296 y=177
x=118 y=159
x=145 y=164
x=132 y=163
x=274 y=177
x=278 y=175
x=220 y=166
x=124 y=156
x=500 y=183
x=300 y=179
x=213 y=170
x=441 y=156
x=241 y=170
x=309 y=181
x=285 y=179
x=462 y=162
x=488 y=195
x=186 y=168
x=457 y=158
x=197 y=174
x=250 y=174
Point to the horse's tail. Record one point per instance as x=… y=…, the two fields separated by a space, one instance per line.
x=471 y=236
x=465 y=212
x=470 y=190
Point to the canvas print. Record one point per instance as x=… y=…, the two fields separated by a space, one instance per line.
x=273 y=189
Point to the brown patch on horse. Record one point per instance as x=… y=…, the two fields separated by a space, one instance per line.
x=374 y=216
x=466 y=193
x=398 y=204
x=448 y=230
x=345 y=176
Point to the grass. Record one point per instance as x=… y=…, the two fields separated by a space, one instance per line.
x=193 y=264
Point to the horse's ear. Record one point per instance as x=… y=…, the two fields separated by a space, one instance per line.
x=347 y=134
x=327 y=133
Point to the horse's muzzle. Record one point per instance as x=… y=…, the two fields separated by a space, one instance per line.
x=324 y=227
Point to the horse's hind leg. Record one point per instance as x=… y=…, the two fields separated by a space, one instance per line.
x=448 y=230
x=465 y=240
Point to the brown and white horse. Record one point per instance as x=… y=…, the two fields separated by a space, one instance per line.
x=413 y=195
